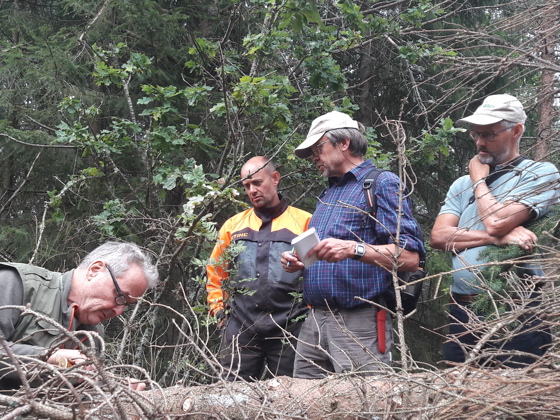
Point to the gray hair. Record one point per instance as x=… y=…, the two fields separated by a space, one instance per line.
x=120 y=256
x=358 y=142
x=511 y=124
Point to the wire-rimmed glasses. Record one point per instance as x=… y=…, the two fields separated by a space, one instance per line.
x=486 y=135
x=316 y=150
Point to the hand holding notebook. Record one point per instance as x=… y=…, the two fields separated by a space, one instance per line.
x=303 y=243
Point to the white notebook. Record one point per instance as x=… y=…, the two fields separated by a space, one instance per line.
x=303 y=243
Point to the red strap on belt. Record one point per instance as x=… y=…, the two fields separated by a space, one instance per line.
x=381 y=318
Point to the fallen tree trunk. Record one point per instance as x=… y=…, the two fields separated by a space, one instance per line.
x=441 y=395
x=459 y=393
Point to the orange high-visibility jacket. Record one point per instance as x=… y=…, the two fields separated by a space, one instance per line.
x=258 y=284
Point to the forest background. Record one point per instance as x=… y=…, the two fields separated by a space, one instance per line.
x=130 y=120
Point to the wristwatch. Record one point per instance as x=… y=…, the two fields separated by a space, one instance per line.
x=359 y=251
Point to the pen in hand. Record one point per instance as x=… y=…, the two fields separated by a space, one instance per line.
x=291 y=253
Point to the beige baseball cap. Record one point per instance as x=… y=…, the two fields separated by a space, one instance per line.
x=320 y=125
x=496 y=108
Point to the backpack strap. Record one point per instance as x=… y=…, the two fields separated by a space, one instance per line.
x=369 y=185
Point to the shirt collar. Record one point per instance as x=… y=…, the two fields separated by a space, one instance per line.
x=270 y=213
x=508 y=165
x=353 y=174
x=66 y=286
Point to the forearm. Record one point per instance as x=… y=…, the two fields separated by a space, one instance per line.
x=26 y=350
x=10 y=375
x=387 y=256
x=214 y=292
x=391 y=257
x=8 y=371
x=498 y=218
x=450 y=238
x=447 y=236
x=215 y=273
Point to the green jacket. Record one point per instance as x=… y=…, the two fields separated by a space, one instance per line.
x=45 y=292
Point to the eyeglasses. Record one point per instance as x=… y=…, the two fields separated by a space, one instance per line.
x=486 y=136
x=120 y=299
x=316 y=150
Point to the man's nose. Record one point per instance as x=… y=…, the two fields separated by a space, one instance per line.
x=119 y=309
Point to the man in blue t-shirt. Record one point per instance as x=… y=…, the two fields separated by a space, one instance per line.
x=477 y=215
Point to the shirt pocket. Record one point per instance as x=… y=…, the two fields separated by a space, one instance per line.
x=276 y=273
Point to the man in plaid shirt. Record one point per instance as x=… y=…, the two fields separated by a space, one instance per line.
x=344 y=331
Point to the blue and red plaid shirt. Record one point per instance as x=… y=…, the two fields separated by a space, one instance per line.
x=339 y=214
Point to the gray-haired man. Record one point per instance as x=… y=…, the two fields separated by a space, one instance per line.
x=344 y=333
x=108 y=279
x=478 y=214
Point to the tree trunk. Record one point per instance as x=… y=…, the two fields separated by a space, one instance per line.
x=546 y=93
x=450 y=394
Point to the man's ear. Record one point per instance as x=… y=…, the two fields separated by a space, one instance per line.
x=95 y=268
x=276 y=177
x=517 y=131
x=344 y=145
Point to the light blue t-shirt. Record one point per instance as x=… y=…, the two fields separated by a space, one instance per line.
x=535 y=184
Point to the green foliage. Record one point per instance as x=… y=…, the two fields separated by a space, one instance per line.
x=420 y=11
x=435 y=145
x=438 y=262
x=375 y=150
x=508 y=266
x=112 y=221
x=297 y=15
x=19 y=238
x=107 y=75
x=413 y=52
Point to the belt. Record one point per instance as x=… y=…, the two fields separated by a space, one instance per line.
x=457 y=297
x=337 y=310
x=463 y=298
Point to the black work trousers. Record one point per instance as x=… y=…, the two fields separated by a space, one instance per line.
x=250 y=356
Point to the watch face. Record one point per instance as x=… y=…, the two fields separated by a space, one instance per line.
x=360 y=250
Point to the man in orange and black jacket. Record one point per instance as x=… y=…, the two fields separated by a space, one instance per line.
x=252 y=295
